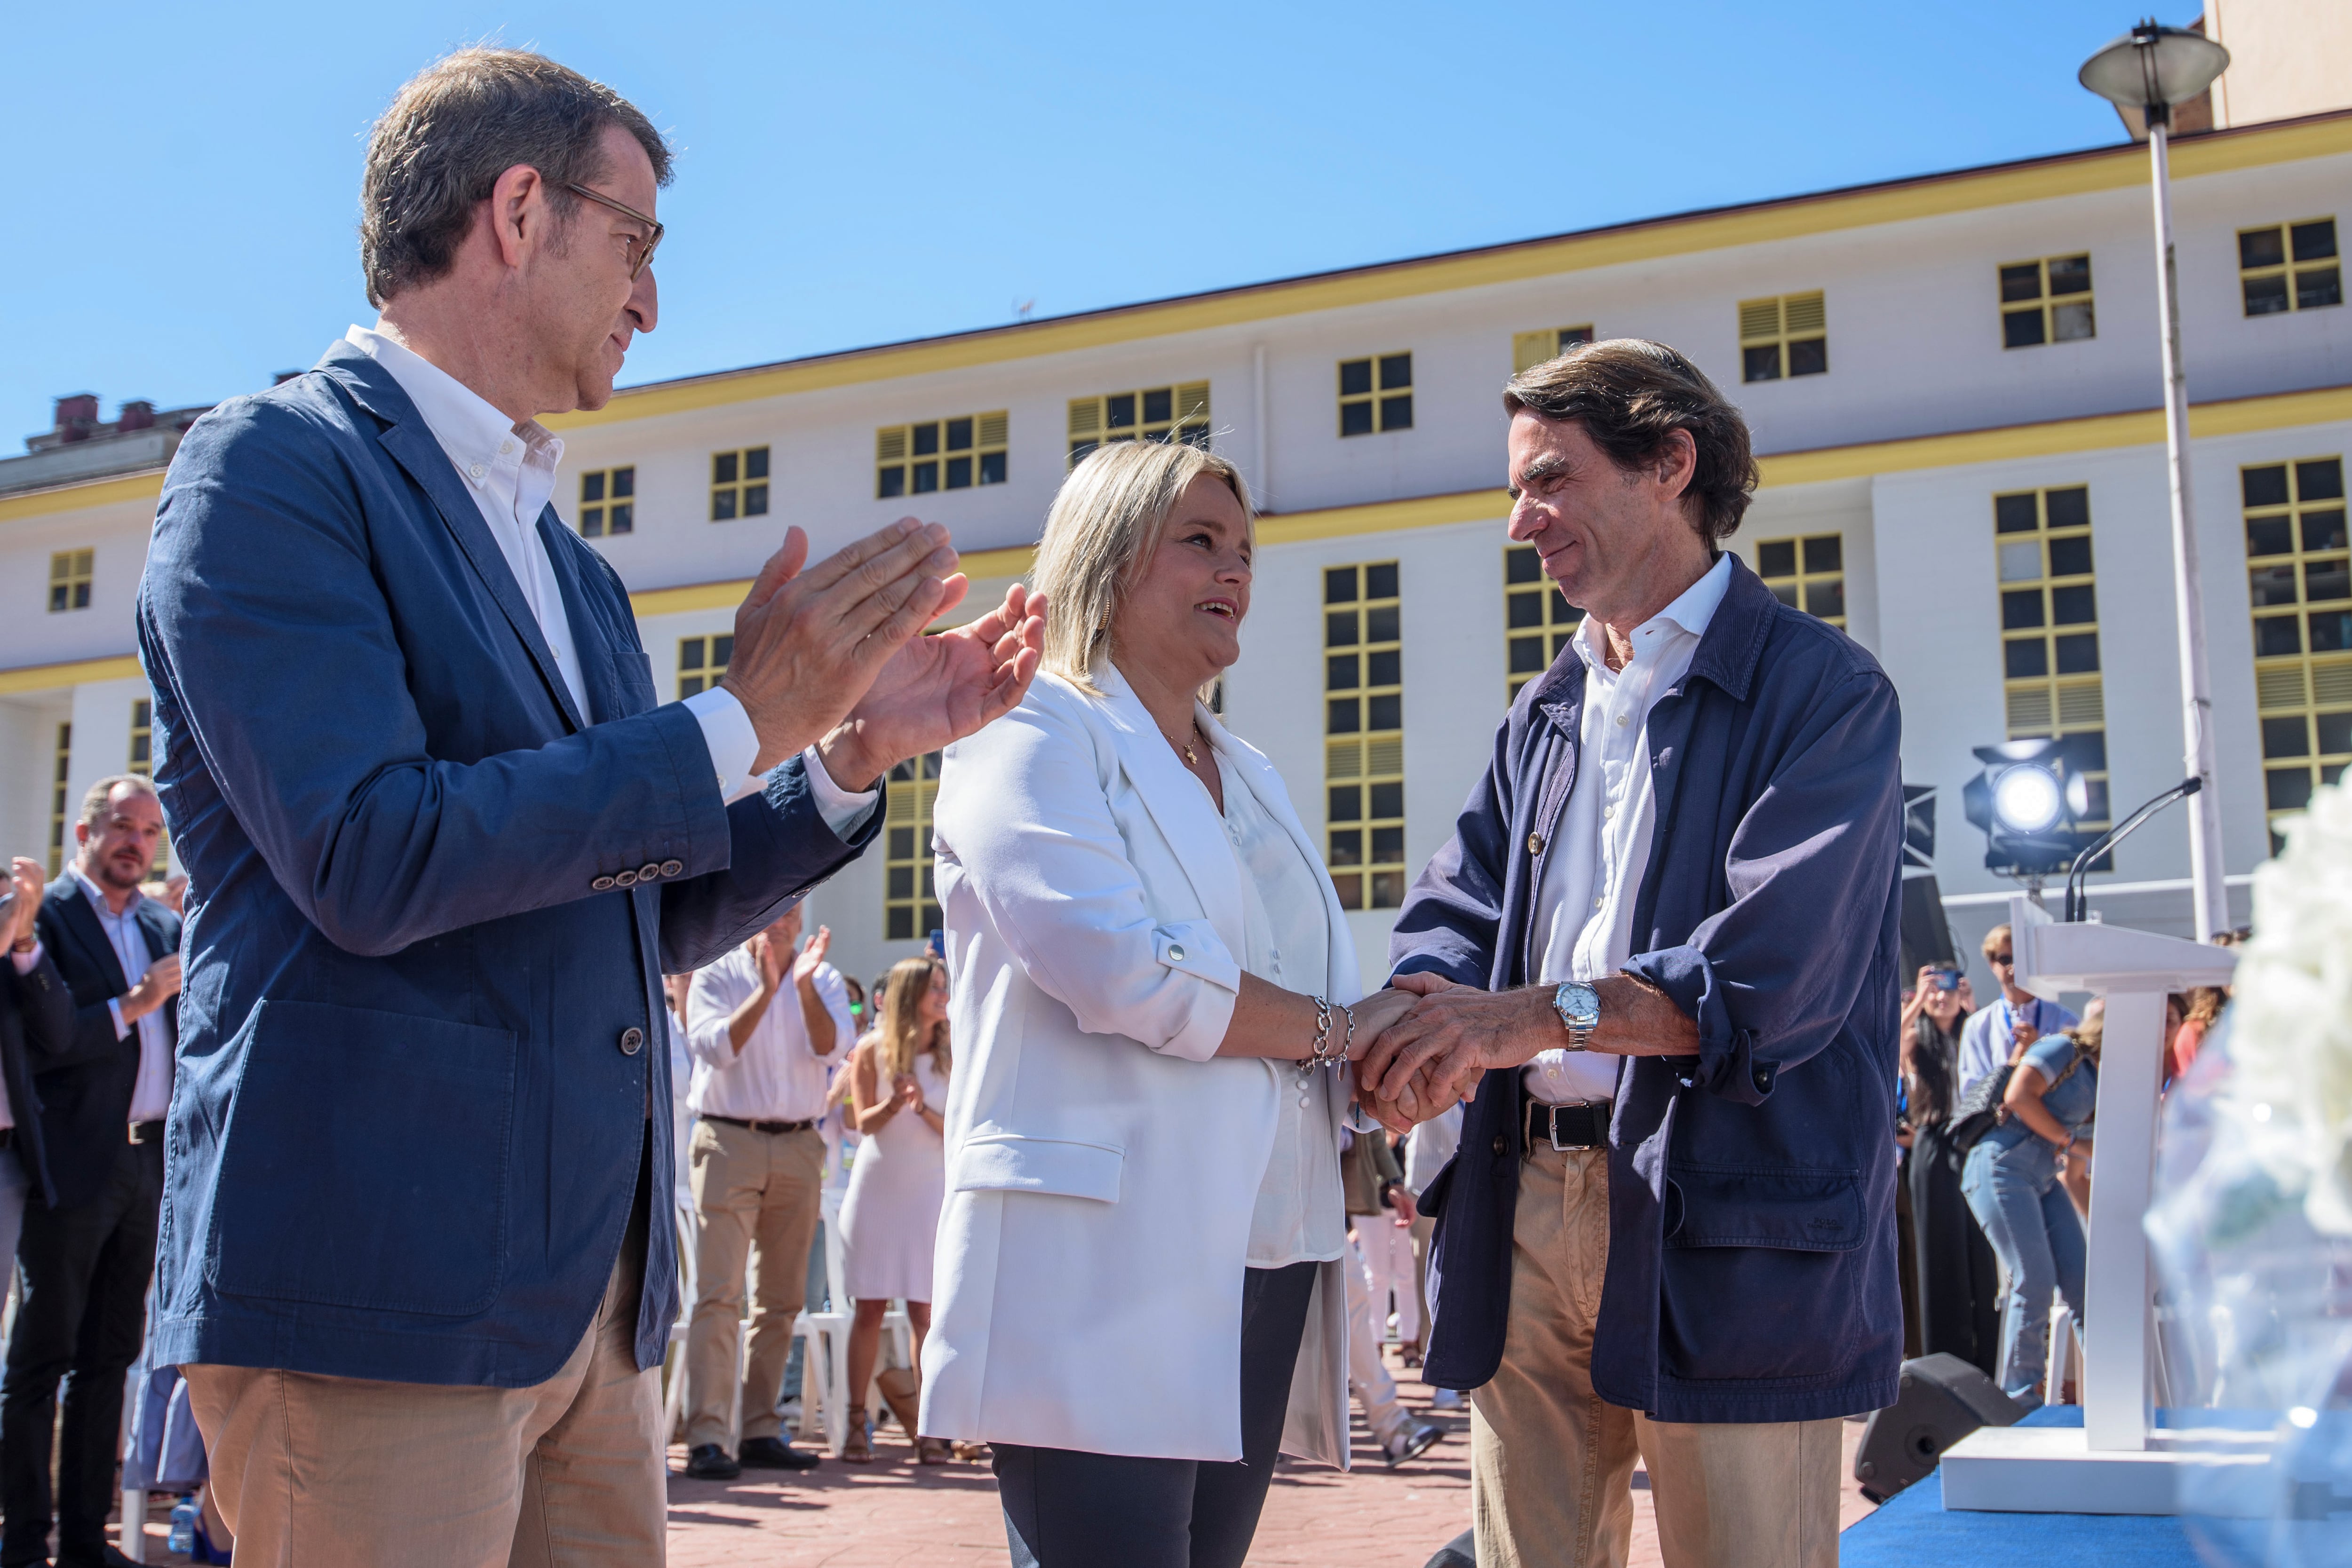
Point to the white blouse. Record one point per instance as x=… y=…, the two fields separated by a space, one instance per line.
x=1286 y=942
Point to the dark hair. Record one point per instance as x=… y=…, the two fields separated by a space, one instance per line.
x=1631 y=394
x=453 y=129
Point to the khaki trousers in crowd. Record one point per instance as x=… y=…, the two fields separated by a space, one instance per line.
x=1551 y=1463
x=755 y=1202
x=345 y=1472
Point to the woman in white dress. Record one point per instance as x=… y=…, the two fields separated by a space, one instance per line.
x=890 y=1219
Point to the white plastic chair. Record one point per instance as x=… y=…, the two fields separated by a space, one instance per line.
x=674 y=1358
x=824 y=1363
x=2065 y=1357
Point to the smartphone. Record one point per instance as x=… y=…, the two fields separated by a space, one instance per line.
x=1947 y=980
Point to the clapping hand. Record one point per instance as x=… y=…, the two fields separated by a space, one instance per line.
x=940 y=688
x=812 y=957
x=25 y=887
x=905 y=1092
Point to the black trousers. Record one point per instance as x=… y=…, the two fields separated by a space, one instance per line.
x=1959 y=1278
x=79 y=1322
x=1065 y=1509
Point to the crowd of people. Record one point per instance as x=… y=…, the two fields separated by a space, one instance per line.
x=1147 y=1158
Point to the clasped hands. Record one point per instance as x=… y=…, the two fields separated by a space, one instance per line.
x=1423 y=1044
x=832 y=655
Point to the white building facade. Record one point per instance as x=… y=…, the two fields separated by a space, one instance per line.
x=1963 y=466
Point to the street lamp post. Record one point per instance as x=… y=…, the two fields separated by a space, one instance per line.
x=2151 y=68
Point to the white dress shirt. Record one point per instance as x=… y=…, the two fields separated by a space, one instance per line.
x=1286 y=942
x=776 y=1077
x=1430 y=1146
x=150 y=1093
x=1601 y=845
x=510 y=469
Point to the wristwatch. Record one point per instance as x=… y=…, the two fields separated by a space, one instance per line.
x=1578 y=1007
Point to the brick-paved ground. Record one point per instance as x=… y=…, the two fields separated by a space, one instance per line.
x=894 y=1513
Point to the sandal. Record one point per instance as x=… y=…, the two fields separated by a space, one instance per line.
x=933 y=1451
x=857 y=1448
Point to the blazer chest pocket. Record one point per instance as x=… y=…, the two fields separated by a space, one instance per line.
x=1007 y=1162
x=366 y=1161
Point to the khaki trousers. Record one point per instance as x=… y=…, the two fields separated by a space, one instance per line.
x=755 y=1201
x=345 y=1472
x=1551 y=1463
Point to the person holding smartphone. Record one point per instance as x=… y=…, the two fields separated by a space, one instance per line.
x=1955 y=1280
x=2017 y=1017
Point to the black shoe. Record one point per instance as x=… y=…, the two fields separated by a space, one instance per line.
x=708 y=1462
x=108 y=1557
x=774 y=1454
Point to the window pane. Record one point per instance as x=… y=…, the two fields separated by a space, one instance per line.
x=1522 y=564
x=722 y=469
x=2023 y=658
x=755 y=500
x=2331 y=631
x=902 y=843
x=2070 y=557
x=1339 y=630
x=2265 y=486
x=2021 y=282
x=927 y=477
x=1160 y=405
x=1385 y=668
x=2315 y=241
x=2262 y=247
x=1381 y=582
x=1339 y=673
x=2072 y=606
x=1777 y=558
x=624 y=517
x=689 y=685
x=1385 y=711
x=958 y=434
x=959 y=473
x=2323 y=531
x=2289 y=789
x=2334 y=732
x=592 y=522
x=2070 y=275
x=2020 y=561
x=1785 y=590
x=2270 y=536
x=2015 y=514
x=689 y=653
x=900 y=883
x=1354 y=377
x=2325 y=581
x=591 y=487
x=2069 y=508
x=722 y=505
x=2267 y=296
x=2078 y=654
x=890 y=481
x=2021 y=328
x=1527 y=655
x=2086 y=751
x=1350 y=889
x=2021 y=609
x=1339 y=586
x=2072 y=323
x=1396 y=371
x=1761 y=363
x=1355 y=419
x=992 y=468
x=755 y=463
x=2320 y=481
x=1396 y=412
x=1388 y=844
x=625 y=481
x=1347 y=803
x=2268 y=585
x=1388 y=890
x=1343 y=715
x=2277 y=635
x=1381 y=625
x=1826 y=599
x=1524 y=610
x=1826 y=553
x=1347 y=847
x=2318 y=288
x=2286 y=736
x=899 y=924
x=1388 y=799
x=722 y=651
x=1809 y=356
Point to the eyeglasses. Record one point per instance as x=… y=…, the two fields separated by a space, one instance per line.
x=2003 y=960
x=647 y=246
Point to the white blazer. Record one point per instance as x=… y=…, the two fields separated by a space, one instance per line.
x=1102 y=1167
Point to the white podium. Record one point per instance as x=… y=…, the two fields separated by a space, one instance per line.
x=2118 y=1461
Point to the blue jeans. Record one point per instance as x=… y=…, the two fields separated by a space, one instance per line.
x=2017 y=1198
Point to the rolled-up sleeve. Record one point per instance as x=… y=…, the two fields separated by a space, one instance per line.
x=1024 y=812
x=1818 y=854
x=710 y=1002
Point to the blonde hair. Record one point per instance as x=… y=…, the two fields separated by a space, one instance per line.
x=895 y=1045
x=1104 y=524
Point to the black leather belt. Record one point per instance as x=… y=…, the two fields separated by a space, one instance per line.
x=146 y=1132
x=1583 y=1125
x=760 y=1126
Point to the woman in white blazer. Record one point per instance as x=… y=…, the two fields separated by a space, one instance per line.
x=1137 y=1297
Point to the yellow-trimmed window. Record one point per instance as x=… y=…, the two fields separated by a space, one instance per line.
x=2290 y=266
x=911 y=909
x=1179 y=412
x=2046 y=301
x=142 y=738
x=1363 y=727
x=1787 y=335
x=1537 y=621
x=940 y=455
x=2299 y=572
x=62 y=765
x=739 y=483
x=1530 y=349
x=1376 y=394
x=2050 y=630
x=69 y=574
x=608 y=501
x=1806 y=573
x=701 y=661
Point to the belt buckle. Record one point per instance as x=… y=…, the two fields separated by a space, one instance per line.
x=1559 y=1147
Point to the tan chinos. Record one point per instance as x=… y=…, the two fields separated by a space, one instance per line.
x=756 y=1198
x=351 y=1473
x=1551 y=1462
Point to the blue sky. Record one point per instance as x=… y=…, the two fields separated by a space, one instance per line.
x=180 y=183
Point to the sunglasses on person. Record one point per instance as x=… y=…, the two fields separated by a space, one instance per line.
x=2003 y=960
x=641 y=248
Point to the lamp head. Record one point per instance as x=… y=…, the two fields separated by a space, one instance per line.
x=2153 y=67
x=2026 y=799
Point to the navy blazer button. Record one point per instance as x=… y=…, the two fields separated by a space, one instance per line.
x=625 y=879
x=1534 y=843
x=602 y=884
x=1502 y=1145
x=633 y=1039
x=649 y=871
x=671 y=868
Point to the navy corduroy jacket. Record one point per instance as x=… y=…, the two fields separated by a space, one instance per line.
x=1751 y=1272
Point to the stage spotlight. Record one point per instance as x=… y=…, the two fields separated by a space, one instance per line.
x=2028 y=798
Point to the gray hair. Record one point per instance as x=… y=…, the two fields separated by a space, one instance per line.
x=453 y=129
x=1106 y=522
x=102 y=795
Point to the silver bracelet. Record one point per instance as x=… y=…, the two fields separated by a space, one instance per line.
x=1348 y=1047
x=1322 y=1031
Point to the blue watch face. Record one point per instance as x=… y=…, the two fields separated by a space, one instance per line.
x=1579 y=1003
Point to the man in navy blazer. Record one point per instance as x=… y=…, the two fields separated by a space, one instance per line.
x=444 y=841
x=37 y=1020
x=1661 y=946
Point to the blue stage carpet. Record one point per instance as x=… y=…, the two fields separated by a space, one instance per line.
x=1912 y=1531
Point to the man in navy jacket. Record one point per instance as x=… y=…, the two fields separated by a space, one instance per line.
x=443 y=844
x=1661 y=947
